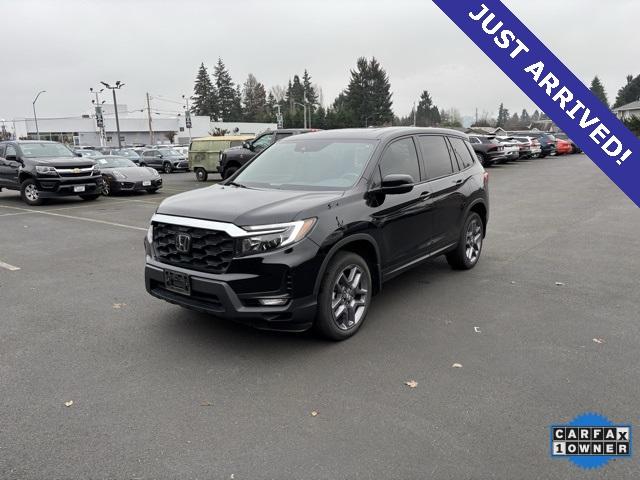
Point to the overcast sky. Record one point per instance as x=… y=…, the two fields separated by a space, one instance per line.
x=156 y=46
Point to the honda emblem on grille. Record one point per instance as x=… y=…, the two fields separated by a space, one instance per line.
x=183 y=242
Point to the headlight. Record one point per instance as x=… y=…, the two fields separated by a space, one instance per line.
x=96 y=169
x=271 y=237
x=119 y=174
x=46 y=170
x=153 y=172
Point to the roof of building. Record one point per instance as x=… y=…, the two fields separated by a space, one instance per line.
x=629 y=106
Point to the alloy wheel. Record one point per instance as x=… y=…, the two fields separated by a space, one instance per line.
x=473 y=241
x=349 y=297
x=31 y=192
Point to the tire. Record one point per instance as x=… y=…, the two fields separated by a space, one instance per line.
x=201 y=174
x=345 y=296
x=106 y=187
x=167 y=167
x=152 y=190
x=469 y=248
x=142 y=164
x=483 y=160
x=29 y=193
x=90 y=197
x=228 y=172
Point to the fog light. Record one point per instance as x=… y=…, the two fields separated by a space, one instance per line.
x=273 y=302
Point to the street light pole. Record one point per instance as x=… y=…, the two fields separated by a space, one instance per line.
x=35 y=117
x=113 y=89
x=187 y=116
x=304 y=106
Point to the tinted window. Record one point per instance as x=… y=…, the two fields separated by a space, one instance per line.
x=263 y=142
x=436 y=156
x=401 y=158
x=280 y=136
x=11 y=150
x=465 y=160
x=474 y=140
x=1 y=150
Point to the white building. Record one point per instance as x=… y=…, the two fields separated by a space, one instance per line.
x=134 y=130
x=625 y=112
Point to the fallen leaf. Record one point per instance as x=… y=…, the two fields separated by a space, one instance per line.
x=69 y=403
x=559 y=284
x=206 y=404
x=598 y=340
x=118 y=306
x=513 y=283
x=314 y=413
x=477 y=329
x=456 y=365
x=411 y=383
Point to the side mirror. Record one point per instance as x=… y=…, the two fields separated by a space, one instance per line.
x=78 y=154
x=247 y=145
x=396 y=183
x=160 y=155
x=11 y=158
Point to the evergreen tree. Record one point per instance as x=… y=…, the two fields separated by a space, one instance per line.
x=227 y=97
x=503 y=116
x=598 y=90
x=368 y=95
x=204 y=94
x=254 y=99
x=629 y=93
x=525 y=118
x=237 y=112
x=427 y=114
x=309 y=89
x=536 y=116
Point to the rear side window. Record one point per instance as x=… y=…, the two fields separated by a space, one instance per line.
x=436 y=156
x=1 y=150
x=401 y=158
x=465 y=160
x=280 y=136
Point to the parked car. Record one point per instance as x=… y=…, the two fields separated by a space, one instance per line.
x=563 y=147
x=119 y=174
x=529 y=147
x=166 y=160
x=42 y=169
x=234 y=158
x=310 y=229
x=129 y=153
x=205 y=153
x=86 y=152
x=488 y=149
x=547 y=144
x=511 y=148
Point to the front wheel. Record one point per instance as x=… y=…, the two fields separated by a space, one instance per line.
x=345 y=296
x=167 y=167
x=201 y=174
x=152 y=190
x=467 y=253
x=106 y=187
x=30 y=193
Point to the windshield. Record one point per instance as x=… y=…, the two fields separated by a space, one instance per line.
x=126 y=153
x=166 y=152
x=115 y=162
x=309 y=165
x=45 y=150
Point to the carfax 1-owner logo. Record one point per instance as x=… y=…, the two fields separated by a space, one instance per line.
x=590 y=440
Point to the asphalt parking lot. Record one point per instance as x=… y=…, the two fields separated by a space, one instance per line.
x=161 y=392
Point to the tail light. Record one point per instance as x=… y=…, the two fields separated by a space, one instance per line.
x=485 y=178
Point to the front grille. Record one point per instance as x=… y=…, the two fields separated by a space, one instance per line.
x=74 y=172
x=210 y=251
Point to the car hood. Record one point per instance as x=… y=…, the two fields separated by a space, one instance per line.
x=132 y=173
x=70 y=162
x=244 y=206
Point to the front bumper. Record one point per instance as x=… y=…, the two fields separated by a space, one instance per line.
x=233 y=294
x=60 y=186
x=125 y=186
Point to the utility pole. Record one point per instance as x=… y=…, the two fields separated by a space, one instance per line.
x=279 y=120
x=414 y=114
x=151 y=140
x=35 y=117
x=117 y=86
x=15 y=132
x=187 y=116
x=476 y=116
x=304 y=106
x=99 y=116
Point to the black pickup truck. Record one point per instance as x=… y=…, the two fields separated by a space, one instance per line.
x=40 y=170
x=235 y=157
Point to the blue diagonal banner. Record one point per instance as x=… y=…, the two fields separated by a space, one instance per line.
x=549 y=84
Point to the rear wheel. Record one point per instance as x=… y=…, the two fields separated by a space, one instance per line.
x=30 y=193
x=345 y=296
x=106 y=187
x=228 y=172
x=201 y=174
x=483 y=159
x=167 y=167
x=467 y=253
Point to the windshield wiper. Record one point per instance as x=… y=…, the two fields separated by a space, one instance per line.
x=239 y=185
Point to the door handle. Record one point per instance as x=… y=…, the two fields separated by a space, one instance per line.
x=457 y=182
x=425 y=194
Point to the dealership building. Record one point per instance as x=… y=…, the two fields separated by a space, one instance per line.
x=135 y=128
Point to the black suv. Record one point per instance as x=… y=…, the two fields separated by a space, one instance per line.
x=310 y=229
x=488 y=149
x=40 y=170
x=235 y=157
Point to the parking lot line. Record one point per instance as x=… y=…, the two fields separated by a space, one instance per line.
x=93 y=220
x=9 y=267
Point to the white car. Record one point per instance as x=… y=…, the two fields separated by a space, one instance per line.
x=530 y=147
x=511 y=148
